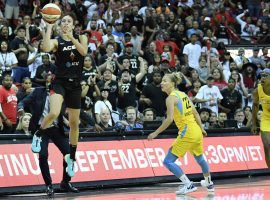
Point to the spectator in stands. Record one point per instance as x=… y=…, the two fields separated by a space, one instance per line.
x=89 y=68
x=239 y=117
x=232 y=99
x=248 y=114
x=112 y=85
x=265 y=55
x=209 y=96
x=136 y=40
x=127 y=88
x=130 y=118
x=192 y=52
x=106 y=36
x=12 y=10
x=108 y=58
x=204 y=68
x=105 y=118
x=90 y=91
x=8 y=104
x=249 y=76
x=23 y=125
x=5 y=32
x=255 y=59
x=222 y=117
x=8 y=59
x=239 y=84
x=133 y=59
x=25 y=89
x=21 y=47
x=149 y=115
x=103 y=103
x=240 y=59
x=213 y=121
x=247 y=28
x=47 y=68
x=153 y=97
x=205 y=116
x=196 y=85
x=195 y=30
x=219 y=79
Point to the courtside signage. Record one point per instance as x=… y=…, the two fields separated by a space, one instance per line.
x=109 y=160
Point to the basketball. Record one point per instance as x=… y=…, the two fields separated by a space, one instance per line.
x=51 y=12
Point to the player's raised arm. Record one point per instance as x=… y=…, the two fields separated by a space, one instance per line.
x=48 y=43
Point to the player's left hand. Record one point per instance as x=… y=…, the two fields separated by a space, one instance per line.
x=204 y=133
x=152 y=136
x=69 y=35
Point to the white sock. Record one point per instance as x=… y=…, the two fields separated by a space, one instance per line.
x=208 y=179
x=185 y=179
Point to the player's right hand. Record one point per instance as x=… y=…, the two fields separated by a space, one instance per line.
x=204 y=133
x=254 y=130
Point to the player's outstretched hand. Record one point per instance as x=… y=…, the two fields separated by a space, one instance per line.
x=152 y=136
x=254 y=130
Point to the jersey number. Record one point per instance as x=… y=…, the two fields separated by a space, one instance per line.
x=187 y=102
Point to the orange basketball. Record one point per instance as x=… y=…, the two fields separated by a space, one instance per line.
x=51 y=12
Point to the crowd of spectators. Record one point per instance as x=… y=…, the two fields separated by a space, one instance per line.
x=132 y=44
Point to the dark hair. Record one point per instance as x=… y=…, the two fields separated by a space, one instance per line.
x=8 y=46
x=72 y=15
x=150 y=109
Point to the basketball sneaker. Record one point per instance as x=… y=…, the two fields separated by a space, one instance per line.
x=50 y=191
x=210 y=186
x=186 y=189
x=36 y=142
x=70 y=165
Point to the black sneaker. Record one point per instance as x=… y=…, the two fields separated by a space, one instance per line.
x=67 y=187
x=49 y=191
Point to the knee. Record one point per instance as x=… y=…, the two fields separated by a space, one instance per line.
x=167 y=162
x=53 y=114
x=74 y=123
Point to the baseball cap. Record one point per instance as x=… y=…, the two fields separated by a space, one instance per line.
x=128 y=44
x=165 y=60
x=104 y=89
x=266 y=71
x=207 y=19
x=127 y=33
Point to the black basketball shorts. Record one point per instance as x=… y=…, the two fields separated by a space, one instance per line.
x=70 y=90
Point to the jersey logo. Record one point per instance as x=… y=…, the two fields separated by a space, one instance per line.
x=68 y=48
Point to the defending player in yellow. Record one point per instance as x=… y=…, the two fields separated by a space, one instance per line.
x=261 y=96
x=190 y=135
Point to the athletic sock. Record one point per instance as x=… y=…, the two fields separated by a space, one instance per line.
x=185 y=179
x=208 y=179
x=73 y=149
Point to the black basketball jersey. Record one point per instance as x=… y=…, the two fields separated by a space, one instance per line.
x=69 y=61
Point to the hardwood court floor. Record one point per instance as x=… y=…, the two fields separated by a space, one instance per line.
x=256 y=188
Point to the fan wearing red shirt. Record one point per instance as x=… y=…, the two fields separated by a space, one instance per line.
x=8 y=106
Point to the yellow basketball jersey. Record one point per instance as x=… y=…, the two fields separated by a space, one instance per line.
x=265 y=103
x=183 y=114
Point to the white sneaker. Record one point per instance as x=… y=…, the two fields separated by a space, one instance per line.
x=210 y=186
x=186 y=189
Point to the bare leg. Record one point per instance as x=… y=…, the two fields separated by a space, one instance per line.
x=56 y=101
x=266 y=144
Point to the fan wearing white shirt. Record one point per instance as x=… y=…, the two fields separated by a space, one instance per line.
x=209 y=96
x=8 y=59
x=103 y=104
x=192 y=52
